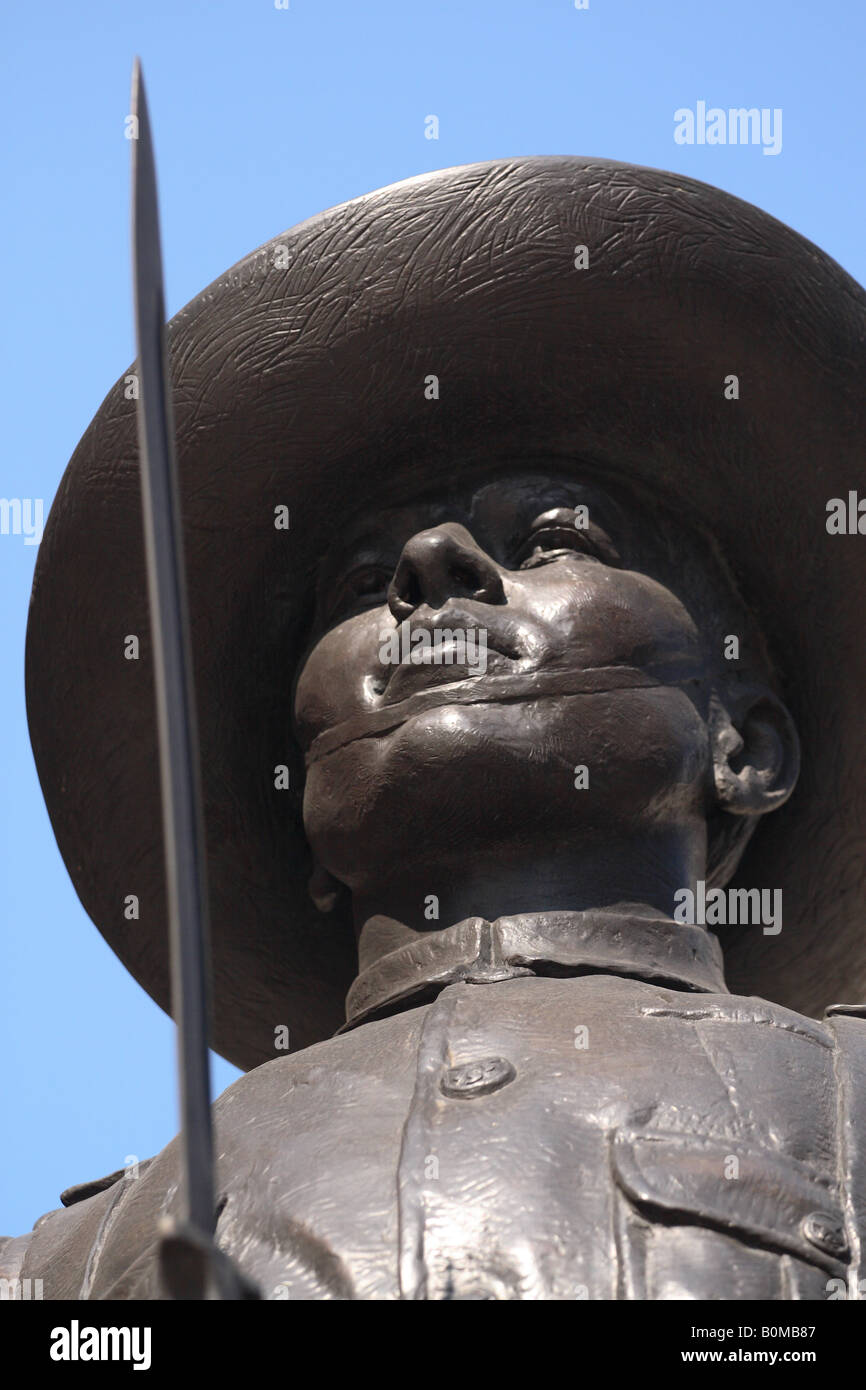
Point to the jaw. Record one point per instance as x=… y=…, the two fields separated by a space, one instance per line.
x=463 y=783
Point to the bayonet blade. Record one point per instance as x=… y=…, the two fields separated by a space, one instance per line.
x=183 y=836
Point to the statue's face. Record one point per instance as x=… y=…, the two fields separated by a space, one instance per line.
x=591 y=663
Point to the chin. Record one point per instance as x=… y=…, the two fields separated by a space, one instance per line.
x=461 y=781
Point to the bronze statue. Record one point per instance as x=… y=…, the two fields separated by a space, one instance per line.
x=514 y=611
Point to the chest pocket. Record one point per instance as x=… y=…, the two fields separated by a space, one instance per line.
x=758 y=1198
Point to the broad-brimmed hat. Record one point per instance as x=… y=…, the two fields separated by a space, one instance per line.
x=299 y=382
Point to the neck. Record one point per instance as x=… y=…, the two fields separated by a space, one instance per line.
x=530 y=919
x=645 y=869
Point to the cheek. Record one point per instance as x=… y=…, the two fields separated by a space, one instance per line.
x=609 y=617
x=338 y=676
x=645 y=751
x=652 y=753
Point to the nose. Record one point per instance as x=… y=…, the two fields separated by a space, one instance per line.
x=442 y=563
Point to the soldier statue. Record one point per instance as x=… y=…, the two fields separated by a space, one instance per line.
x=515 y=610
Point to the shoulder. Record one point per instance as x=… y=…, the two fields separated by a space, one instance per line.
x=54 y=1256
x=377 y=1055
x=50 y=1260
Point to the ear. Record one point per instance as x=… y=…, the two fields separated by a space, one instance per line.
x=756 y=753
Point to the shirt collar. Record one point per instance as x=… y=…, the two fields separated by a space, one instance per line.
x=629 y=940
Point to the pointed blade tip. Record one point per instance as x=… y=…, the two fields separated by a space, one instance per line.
x=137 y=86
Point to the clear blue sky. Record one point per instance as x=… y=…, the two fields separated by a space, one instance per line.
x=263 y=117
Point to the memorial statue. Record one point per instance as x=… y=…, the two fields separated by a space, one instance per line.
x=516 y=609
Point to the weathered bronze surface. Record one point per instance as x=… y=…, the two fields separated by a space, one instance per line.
x=541 y=1086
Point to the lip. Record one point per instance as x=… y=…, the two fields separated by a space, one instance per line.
x=554 y=681
x=405 y=679
x=501 y=648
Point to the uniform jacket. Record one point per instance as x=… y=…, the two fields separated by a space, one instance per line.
x=528 y=1133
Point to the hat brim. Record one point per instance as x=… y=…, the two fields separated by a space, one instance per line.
x=304 y=387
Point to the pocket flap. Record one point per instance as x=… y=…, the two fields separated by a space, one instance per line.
x=762 y=1195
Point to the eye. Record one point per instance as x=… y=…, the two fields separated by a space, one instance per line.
x=555 y=533
x=370 y=579
x=545 y=546
x=365 y=586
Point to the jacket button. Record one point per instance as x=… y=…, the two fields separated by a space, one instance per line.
x=825 y=1232
x=477 y=1078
